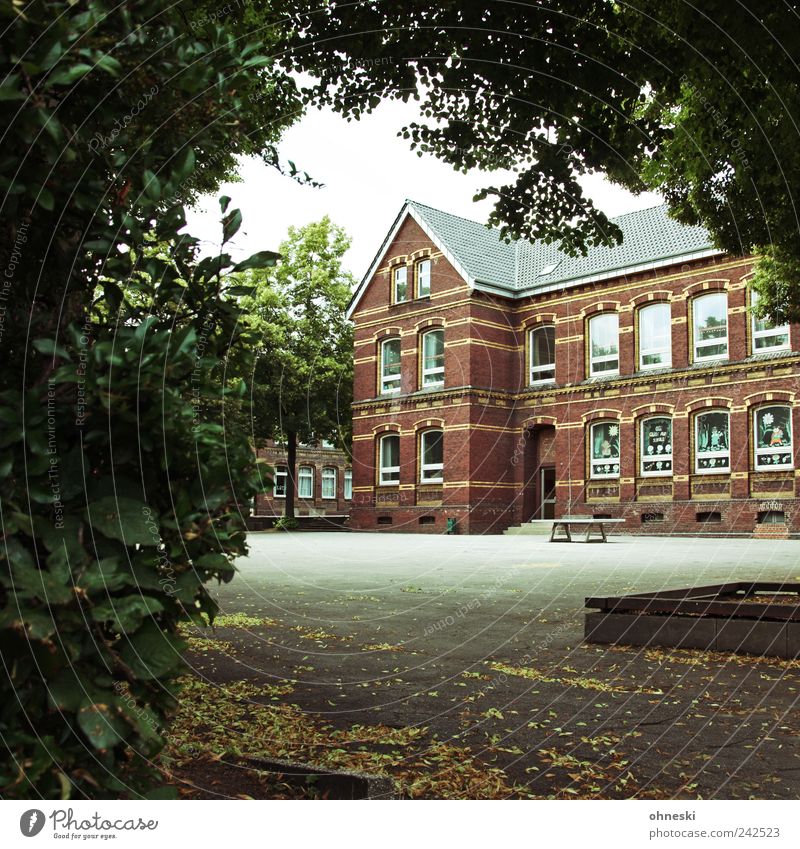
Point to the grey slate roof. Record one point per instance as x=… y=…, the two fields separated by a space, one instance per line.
x=649 y=236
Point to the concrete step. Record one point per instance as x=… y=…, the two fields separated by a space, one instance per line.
x=538 y=527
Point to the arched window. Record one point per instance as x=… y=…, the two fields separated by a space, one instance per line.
x=305 y=482
x=655 y=336
x=604 y=449
x=767 y=336
x=772 y=430
x=712 y=451
x=710 y=324
x=543 y=354
x=400 y=288
x=389 y=460
x=433 y=358
x=390 y=366
x=329 y=482
x=655 y=446
x=432 y=456
x=423 y=278
x=279 y=484
x=604 y=344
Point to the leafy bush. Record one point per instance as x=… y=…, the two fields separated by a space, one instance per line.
x=120 y=478
x=286 y=523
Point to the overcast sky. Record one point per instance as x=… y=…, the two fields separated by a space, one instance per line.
x=368 y=172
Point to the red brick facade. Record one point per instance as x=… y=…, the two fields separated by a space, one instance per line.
x=318 y=461
x=500 y=433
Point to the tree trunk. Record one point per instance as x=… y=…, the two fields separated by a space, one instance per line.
x=291 y=472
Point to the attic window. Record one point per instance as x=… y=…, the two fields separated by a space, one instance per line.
x=548 y=269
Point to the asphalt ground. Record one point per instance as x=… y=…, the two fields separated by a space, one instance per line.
x=469 y=649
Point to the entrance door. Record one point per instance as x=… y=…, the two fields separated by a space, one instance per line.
x=547 y=492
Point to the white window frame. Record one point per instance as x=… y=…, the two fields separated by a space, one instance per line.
x=437 y=372
x=767 y=333
x=666 y=456
x=712 y=455
x=393 y=380
x=697 y=343
x=549 y=369
x=280 y=474
x=383 y=471
x=305 y=477
x=400 y=276
x=328 y=475
x=426 y=468
x=595 y=475
x=423 y=263
x=348 y=484
x=665 y=351
x=605 y=358
x=762 y=452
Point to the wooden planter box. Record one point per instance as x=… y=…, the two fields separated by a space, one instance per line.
x=758 y=618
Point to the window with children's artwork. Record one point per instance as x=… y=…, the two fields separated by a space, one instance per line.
x=773 y=438
x=656 y=446
x=712 y=442
x=604 y=438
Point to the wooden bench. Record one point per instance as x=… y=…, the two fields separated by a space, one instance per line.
x=596 y=526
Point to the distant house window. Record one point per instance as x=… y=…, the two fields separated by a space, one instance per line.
x=328 y=483
x=710 y=317
x=279 y=484
x=400 y=284
x=767 y=336
x=432 y=451
x=423 y=278
x=604 y=344
x=655 y=336
x=656 y=446
x=390 y=366
x=773 y=438
x=433 y=358
x=712 y=442
x=305 y=482
x=604 y=439
x=543 y=355
x=348 y=483
x=389 y=459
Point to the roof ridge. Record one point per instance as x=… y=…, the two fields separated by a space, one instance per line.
x=615 y=218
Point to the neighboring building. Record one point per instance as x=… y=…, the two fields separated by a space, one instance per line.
x=324 y=481
x=496 y=383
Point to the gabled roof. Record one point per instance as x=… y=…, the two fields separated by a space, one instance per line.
x=521 y=268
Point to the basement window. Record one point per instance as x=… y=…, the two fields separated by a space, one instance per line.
x=709 y=517
x=427 y=520
x=652 y=518
x=771 y=517
x=384 y=520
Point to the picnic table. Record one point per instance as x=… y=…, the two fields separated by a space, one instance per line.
x=592 y=525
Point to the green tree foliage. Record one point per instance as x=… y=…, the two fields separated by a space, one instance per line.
x=119 y=495
x=699 y=102
x=303 y=378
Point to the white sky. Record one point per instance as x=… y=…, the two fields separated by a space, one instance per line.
x=368 y=172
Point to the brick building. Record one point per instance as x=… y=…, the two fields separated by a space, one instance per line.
x=324 y=481
x=496 y=383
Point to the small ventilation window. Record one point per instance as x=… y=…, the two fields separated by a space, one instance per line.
x=602 y=516
x=710 y=517
x=771 y=517
x=384 y=520
x=427 y=520
x=652 y=518
x=549 y=269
